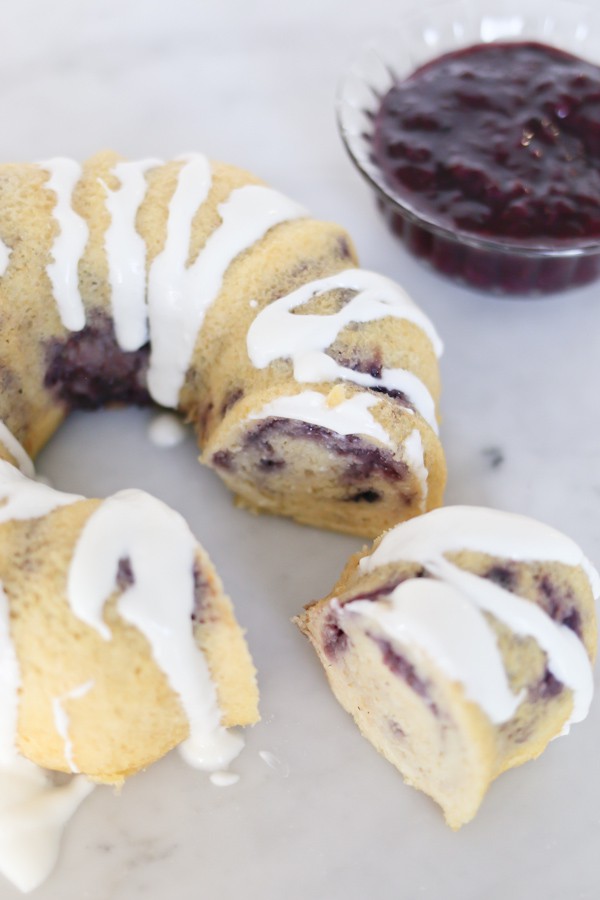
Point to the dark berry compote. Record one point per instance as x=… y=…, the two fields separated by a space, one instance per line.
x=499 y=143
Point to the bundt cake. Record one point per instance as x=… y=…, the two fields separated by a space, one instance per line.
x=312 y=384
x=461 y=643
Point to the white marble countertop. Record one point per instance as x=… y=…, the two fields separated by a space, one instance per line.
x=253 y=84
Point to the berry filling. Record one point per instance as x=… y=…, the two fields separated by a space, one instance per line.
x=402 y=668
x=223 y=459
x=384 y=590
x=546 y=688
x=88 y=369
x=231 y=399
x=373 y=367
x=368 y=496
x=201 y=610
x=559 y=605
x=335 y=640
x=363 y=460
x=397 y=732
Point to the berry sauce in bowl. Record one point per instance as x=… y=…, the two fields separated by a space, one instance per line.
x=486 y=157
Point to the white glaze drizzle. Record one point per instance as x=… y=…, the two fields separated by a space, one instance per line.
x=276 y=333
x=62 y=720
x=167 y=430
x=23 y=498
x=492 y=531
x=126 y=253
x=315 y=367
x=167 y=278
x=351 y=416
x=567 y=657
x=33 y=812
x=428 y=538
x=179 y=296
x=69 y=243
x=377 y=297
x=412 y=451
x=437 y=619
x=5 y=253
x=16 y=450
x=161 y=550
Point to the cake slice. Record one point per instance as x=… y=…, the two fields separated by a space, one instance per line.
x=462 y=643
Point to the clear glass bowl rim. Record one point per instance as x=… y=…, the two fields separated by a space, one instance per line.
x=475 y=15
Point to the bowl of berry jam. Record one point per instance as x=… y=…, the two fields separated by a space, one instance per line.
x=480 y=133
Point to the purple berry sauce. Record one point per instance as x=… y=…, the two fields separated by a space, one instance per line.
x=497 y=141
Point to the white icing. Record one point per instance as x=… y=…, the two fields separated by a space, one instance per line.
x=161 y=550
x=23 y=498
x=412 y=451
x=33 y=815
x=126 y=253
x=5 y=253
x=313 y=367
x=168 y=278
x=351 y=416
x=492 y=531
x=436 y=618
x=224 y=779
x=9 y=441
x=427 y=538
x=33 y=812
x=277 y=333
x=62 y=721
x=44 y=479
x=69 y=244
x=567 y=657
x=179 y=296
x=167 y=430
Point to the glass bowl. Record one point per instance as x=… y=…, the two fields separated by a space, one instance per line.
x=500 y=265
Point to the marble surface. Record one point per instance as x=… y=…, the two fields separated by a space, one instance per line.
x=328 y=819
